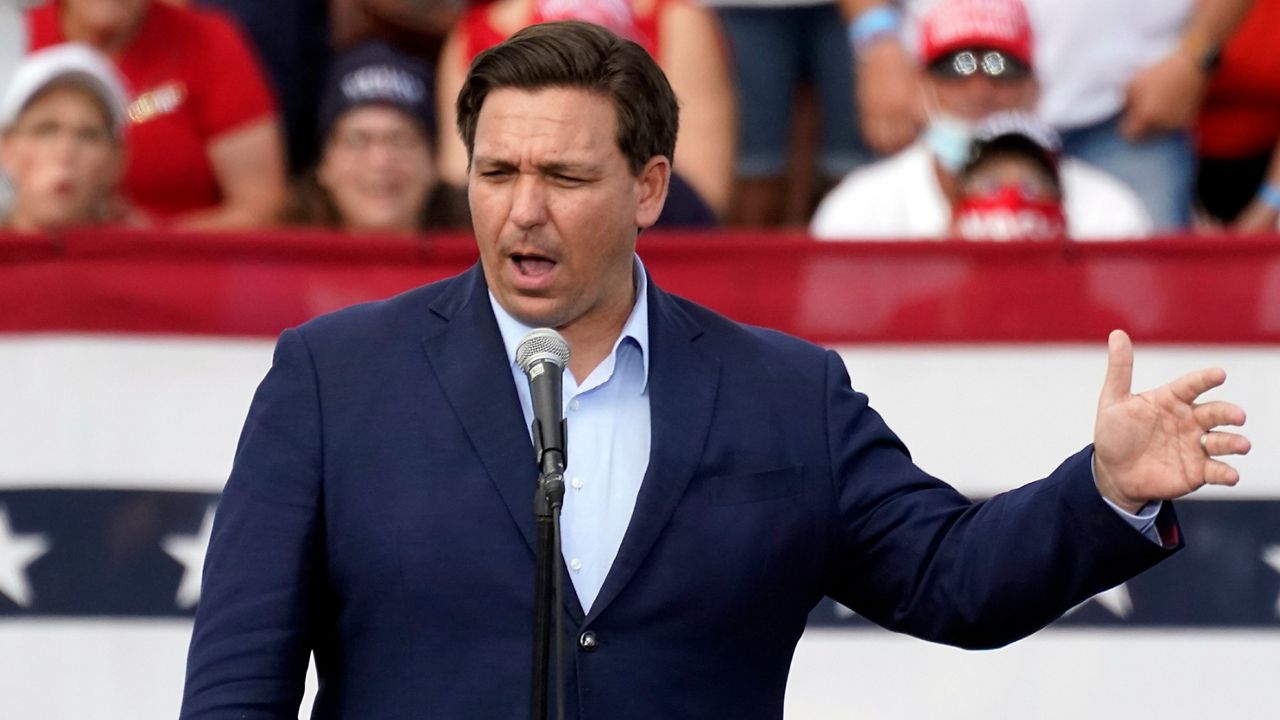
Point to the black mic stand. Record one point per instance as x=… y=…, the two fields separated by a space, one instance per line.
x=548 y=584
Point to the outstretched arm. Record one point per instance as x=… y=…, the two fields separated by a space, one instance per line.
x=918 y=557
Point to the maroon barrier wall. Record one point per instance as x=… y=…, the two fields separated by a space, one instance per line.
x=1178 y=289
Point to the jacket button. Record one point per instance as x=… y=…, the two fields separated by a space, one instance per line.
x=588 y=642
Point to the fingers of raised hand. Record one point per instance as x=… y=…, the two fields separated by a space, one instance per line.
x=1194 y=384
x=1217 y=444
x=1212 y=414
x=1119 y=380
x=1217 y=472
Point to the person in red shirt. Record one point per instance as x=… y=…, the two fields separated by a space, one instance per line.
x=205 y=147
x=1238 y=181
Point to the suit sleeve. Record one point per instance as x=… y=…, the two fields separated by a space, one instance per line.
x=251 y=643
x=914 y=555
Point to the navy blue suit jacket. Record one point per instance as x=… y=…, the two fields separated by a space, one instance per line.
x=380 y=513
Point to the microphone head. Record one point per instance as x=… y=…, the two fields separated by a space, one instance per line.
x=542 y=345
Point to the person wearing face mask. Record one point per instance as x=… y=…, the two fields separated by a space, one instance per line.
x=377 y=168
x=62 y=119
x=976 y=61
x=1011 y=186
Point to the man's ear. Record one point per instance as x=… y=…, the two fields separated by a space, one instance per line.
x=651 y=188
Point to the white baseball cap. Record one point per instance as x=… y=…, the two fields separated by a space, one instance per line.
x=69 y=61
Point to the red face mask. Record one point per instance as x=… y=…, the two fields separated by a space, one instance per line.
x=1008 y=214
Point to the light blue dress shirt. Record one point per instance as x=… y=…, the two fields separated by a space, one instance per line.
x=607 y=449
x=608 y=446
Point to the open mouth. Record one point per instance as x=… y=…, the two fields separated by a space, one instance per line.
x=533 y=266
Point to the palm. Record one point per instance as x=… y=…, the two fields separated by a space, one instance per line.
x=1148 y=446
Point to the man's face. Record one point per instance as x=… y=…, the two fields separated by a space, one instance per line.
x=556 y=208
x=61 y=158
x=974 y=83
x=378 y=169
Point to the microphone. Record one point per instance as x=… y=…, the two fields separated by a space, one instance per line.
x=542 y=355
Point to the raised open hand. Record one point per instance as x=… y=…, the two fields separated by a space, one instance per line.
x=1161 y=444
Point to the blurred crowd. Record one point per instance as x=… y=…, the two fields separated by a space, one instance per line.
x=973 y=119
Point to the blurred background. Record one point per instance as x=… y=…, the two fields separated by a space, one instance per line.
x=961 y=196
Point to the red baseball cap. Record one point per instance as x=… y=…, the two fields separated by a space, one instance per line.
x=967 y=24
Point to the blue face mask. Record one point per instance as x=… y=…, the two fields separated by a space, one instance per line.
x=949 y=140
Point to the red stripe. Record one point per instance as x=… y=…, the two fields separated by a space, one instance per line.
x=1180 y=290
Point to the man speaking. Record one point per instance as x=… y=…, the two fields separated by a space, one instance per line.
x=722 y=479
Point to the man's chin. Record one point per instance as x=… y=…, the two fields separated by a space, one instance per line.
x=533 y=310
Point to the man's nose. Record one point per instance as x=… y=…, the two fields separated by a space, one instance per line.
x=987 y=94
x=529 y=202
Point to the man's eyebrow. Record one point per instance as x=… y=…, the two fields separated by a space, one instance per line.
x=569 y=168
x=494 y=163
x=548 y=168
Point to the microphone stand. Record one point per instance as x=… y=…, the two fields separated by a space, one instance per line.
x=548 y=583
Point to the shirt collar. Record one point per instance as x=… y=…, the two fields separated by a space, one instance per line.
x=636 y=327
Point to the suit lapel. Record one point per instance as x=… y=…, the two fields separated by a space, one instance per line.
x=682 y=390
x=468 y=357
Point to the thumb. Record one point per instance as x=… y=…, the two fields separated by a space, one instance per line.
x=1119 y=380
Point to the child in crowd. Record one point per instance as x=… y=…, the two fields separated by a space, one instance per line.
x=206 y=147
x=62 y=119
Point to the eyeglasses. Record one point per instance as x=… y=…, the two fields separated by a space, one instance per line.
x=992 y=63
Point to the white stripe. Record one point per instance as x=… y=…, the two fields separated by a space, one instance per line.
x=1057 y=674
x=165 y=413
x=124 y=412
x=989 y=417
x=102 y=669
x=133 y=670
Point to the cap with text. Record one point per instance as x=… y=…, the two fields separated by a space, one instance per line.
x=954 y=25
x=376 y=73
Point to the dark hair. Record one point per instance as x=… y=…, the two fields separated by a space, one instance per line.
x=376 y=73
x=1015 y=147
x=577 y=54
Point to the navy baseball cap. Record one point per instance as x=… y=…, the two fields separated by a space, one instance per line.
x=375 y=73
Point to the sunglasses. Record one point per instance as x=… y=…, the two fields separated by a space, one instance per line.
x=992 y=63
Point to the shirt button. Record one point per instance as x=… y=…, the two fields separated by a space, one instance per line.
x=576 y=564
x=574 y=404
x=588 y=641
x=577 y=483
